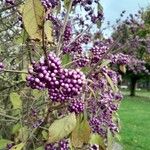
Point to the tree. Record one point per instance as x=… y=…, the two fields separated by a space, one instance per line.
x=134 y=34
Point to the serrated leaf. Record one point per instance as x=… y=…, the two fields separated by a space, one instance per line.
x=48 y=30
x=97 y=139
x=62 y=128
x=81 y=134
x=33 y=15
x=4 y=142
x=21 y=38
x=15 y=100
x=66 y=59
x=122 y=68
x=18 y=146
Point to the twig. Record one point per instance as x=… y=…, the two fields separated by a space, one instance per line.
x=64 y=27
x=14 y=71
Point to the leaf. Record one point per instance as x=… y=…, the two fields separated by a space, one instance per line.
x=122 y=68
x=23 y=76
x=18 y=147
x=62 y=127
x=21 y=38
x=33 y=15
x=23 y=134
x=109 y=140
x=48 y=30
x=37 y=94
x=66 y=59
x=15 y=100
x=45 y=134
x=40 y=148
x=81 y=134
x=85 y=69
x=16 y=128
x=97 y=139
x=110 y=82
x=4 y=142
x=105 y=63
x=66 y=3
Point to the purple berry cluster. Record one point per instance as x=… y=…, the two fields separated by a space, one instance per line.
x=97 y=51
x=120 y=59
x=69 y=85
x=81 y=60
x=76 y=106
x=68 y=33
x=61 y=145
x=62 y=84
x=1 y=66
x=94 y=147
x=10 y=2
x=48 y=4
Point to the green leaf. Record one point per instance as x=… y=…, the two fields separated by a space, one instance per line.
x=85 y=69
x=23 y=134
x=21 y=38
x=15 y=100
x=109 y=140
x=37 y=94
x=33 y=15
x=4 y=142
x=81 y=134
x=66 y=59
x=16 y=128
x=105 y=63
x=66 y=3
x=45 y=134
x=40 y=148
x=18 y=147
x=97 y=139
x=48 y=30
x=62 y=128
x=23 y=76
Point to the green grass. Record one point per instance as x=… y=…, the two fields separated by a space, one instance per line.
x=135 y=122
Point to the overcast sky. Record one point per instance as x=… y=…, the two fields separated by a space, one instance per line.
x=113 y=8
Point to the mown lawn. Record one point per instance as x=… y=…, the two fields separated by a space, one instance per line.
x=135 y=122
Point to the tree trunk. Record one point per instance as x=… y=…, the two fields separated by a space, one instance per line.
x=133 y=85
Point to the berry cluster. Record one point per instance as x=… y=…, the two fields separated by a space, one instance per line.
x=10 y=2
x=49 y=3
x=62 y=84
x=68 y=86
x=94 y=147
x=61 y=145
x=81 y=60
x=97 y=51
x=76 y=106
x=1 y=66
x=68 y=33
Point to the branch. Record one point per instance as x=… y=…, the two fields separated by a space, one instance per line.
x=64 y=27
x=14 y=71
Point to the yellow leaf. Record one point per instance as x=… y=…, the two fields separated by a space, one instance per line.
x=81 y=134
x=110 y=82
x=48 y=30
x=18 y=147
x=62 y=128
x=122 y=68
x=33 y=15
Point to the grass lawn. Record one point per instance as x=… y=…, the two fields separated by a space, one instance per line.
x=135 y=122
